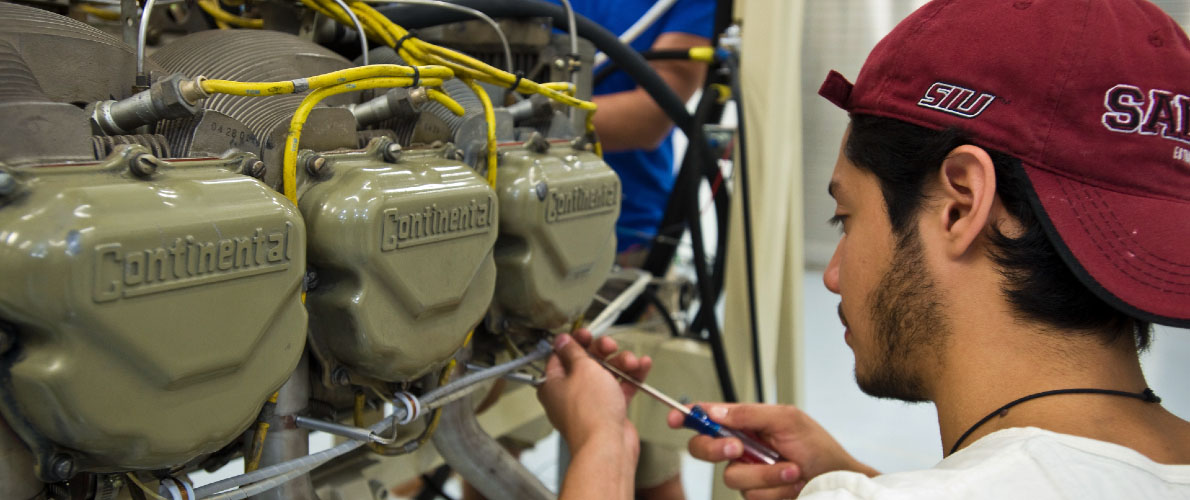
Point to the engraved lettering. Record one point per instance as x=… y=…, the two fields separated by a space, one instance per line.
x=401 y=227
x=186 y=262
x=581 y=200
x=107 y=285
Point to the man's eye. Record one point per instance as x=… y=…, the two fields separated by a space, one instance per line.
x=838 y=221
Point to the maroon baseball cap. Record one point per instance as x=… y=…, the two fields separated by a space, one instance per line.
x=1093 y=96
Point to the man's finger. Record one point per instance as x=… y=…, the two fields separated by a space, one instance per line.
x=715 y=449
x=569 y=351
x=675 y=419
x=741 y=476
x=755 y=417
x=605 y=346
x=583 y=336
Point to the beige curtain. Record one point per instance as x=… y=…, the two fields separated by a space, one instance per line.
x=771 y=69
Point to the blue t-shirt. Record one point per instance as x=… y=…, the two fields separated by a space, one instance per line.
x=646 y=176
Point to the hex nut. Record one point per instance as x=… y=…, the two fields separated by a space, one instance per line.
x=169 y=98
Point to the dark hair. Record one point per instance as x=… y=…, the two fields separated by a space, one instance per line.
x=1038 y=284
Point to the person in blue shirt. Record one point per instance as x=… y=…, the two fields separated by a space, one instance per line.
x=635 y=132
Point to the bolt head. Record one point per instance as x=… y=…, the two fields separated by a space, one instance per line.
x=144 y=165
x=62 y=467
x=542 y=190
x=341 y=377
x=257 y=169
x=315 y=165
x=8 y=184
x=392 y=152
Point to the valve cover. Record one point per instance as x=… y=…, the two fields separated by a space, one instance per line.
x=403 y=254
x=558 y=210
x=152 y=316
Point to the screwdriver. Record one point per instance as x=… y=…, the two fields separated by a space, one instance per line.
x=696 y=418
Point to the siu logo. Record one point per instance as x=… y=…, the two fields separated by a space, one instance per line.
x=956 y=100
x=1164 y=113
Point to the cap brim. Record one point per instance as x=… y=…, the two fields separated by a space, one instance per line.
x=1129 y=250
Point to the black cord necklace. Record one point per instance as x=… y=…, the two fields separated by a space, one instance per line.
x=1146 y=395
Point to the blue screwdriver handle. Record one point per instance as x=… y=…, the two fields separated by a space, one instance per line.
x=754 y=451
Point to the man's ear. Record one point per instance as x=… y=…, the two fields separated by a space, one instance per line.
x=968 y=191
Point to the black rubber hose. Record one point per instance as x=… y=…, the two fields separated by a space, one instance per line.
x=673 y=222
x=733 y=64
x=649 y=55
x=651 y=295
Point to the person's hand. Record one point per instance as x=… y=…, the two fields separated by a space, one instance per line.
x=582 y=399
x=807 y=448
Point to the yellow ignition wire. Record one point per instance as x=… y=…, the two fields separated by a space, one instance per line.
x=212 y=7
x=445 y=100
x=252 y=462
x=107 y=15
x=594 y=136
x=152 y=494
x=489 y=117
x=563 y=87
x=416 y=51
x=704 y=54
x=256 y=89
x=289 y=166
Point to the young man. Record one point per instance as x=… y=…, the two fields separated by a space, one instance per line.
x=1014 y=194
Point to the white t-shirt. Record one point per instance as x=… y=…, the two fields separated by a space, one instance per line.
x=1014 y=463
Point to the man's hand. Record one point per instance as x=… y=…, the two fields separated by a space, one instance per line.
x=588 y=406
x=809 y=449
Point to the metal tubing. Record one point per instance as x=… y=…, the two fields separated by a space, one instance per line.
x=17 y=480
x=481 y=460
x=285 y=441
x=609 y=314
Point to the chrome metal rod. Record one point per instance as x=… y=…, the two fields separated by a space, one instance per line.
x=446 y=393
x=142 y=31
x=609 y=314
x=359 y=27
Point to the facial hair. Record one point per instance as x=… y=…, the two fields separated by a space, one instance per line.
x=908 y=328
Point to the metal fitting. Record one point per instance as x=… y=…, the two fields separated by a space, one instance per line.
x=392 y=152
x=381 y=108
x=256 y=169
x=537 y=143
x=316 y=165
x=418 y=96
x=61 y=468
x=144 y=165
x=542 y=190
x=164 y=100
x=340 y=377
x=8 y=184
x=191 y=90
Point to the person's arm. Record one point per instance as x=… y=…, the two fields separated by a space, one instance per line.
x=632 y=119
x=588 y=406
x=809 y=449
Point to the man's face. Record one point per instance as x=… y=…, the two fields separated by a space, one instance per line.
x=890 y=303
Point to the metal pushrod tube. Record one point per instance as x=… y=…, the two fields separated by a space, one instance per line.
x=272 y=476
